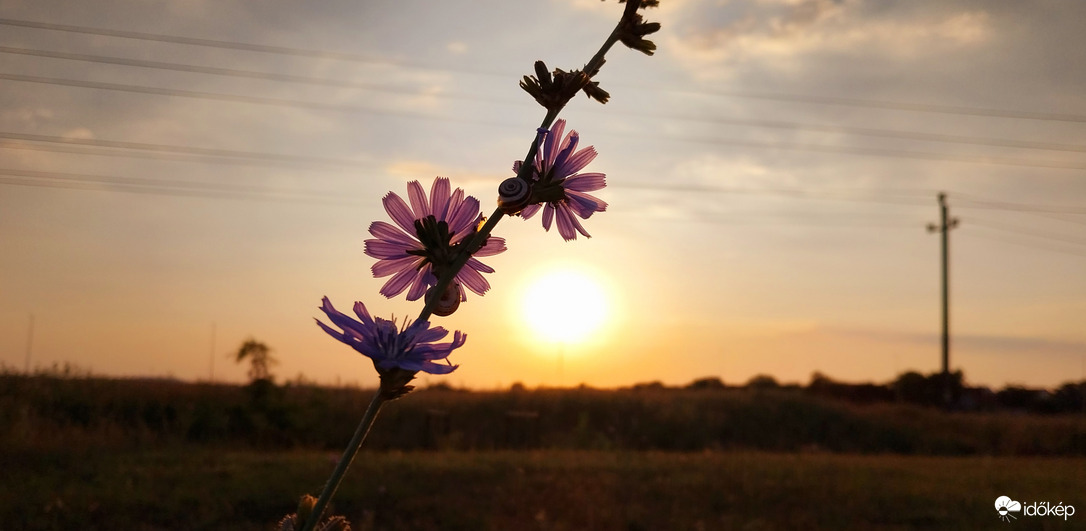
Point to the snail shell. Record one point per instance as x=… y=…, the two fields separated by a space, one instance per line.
x=513 y=195
x=449 y=301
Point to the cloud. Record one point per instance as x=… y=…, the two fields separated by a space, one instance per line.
x=706 y=38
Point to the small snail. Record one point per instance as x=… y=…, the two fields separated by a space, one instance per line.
x=513 y=195
x=449 y=301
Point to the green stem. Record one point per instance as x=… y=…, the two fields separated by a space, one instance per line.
x=345 y=461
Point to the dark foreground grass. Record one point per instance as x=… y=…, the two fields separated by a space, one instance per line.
x=205 y=489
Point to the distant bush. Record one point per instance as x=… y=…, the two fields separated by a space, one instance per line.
x=829 y=416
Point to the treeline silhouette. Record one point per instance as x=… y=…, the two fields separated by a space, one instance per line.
x=906 y=416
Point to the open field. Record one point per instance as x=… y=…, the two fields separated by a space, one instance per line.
x=88 y=453
x=201 y=488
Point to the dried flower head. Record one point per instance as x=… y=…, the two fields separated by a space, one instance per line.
x=294 y=522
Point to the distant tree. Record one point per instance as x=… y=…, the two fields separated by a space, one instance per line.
x=763 y=381
x=710 y=382
x=260 y=359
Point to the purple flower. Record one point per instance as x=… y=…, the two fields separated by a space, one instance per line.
x=411 y=348
x=426 y=239
x=557 y=187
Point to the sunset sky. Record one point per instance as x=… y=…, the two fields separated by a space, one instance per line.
x=771 y=172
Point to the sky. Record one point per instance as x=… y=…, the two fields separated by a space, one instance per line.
x=177 y=177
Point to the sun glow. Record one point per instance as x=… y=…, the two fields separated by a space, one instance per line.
x=565 y=306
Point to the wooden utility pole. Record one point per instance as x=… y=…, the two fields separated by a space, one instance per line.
x=211 y=376
x=29 y=343
x=946 y=223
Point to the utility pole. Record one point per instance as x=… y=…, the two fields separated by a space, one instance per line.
x=211 y=378
x=943 y=228
x=29 y=343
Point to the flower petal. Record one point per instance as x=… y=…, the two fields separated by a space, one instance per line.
x=384 y=268
x=471 y=279
x=568 y=147
x=464 y=218
x=530 y=211
x=400 y=212
x=440 y=194
x=420 y=284
x=383 y=250
x=583 y=204
x=578 y=161
x=419 y=204
x=478 y=266
x=398 y=283
x=386 y=231
x=548 y=216
x=550 y=145
x=585 y=182
x=493 y=246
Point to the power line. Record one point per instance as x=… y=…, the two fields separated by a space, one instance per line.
x=237 y=73
x=791 y=146
x=169 y=187
x=1044 y=246
x=236 y=98
x=193 y=41
x=960 y=110
x=185 y=150
x=1024 y=231
x=344 y=56
x=773 y=124
x=799 y=193
x=1018 y=207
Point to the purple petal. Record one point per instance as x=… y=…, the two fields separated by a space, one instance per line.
x=580 y=229
x=332 y=332
x=455 y=201
x=362 y=313
x=440 y=194
x=384 y=268
x=430 y=335
x=516 y=166
x=419 y=203
x=568 y=147
x=566 y=223
x=551 y=143
x=493 y=246
x=584 y=205
x=399 y=212
x=530 y=211
x=478 y=266
x=578 y=161
x=464 y=218
x=436 y=368
x=398 y=283
x=383 y=250
x=419 y=285
x=548 y=216
x=585 y=182
x=341 y=320
x=388 y=232
x=471 y=279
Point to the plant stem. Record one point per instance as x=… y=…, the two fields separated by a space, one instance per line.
x=345 y=461
x=480 y=237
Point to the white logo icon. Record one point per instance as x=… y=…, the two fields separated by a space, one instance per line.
x=1005 y=506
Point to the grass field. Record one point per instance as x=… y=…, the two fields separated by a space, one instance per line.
x=200 y=488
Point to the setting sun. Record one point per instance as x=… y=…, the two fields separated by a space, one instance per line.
x=565 y=306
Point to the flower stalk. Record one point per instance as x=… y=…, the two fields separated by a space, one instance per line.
x=345 y=462
x=398 y=363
